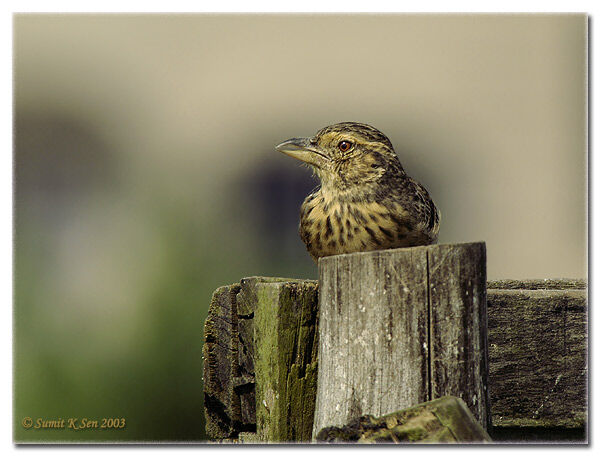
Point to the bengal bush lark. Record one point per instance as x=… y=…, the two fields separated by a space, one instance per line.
x=366 y=201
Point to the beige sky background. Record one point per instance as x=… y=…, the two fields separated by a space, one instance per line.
x=487 y=111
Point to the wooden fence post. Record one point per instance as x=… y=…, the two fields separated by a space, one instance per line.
x=285 y=361
x=401 y=327
x=260 y=360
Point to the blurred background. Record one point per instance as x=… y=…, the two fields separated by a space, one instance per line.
x=146 y=176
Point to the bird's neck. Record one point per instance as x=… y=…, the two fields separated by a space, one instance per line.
x=357 y=184
x=349 y=180
x=334 y=192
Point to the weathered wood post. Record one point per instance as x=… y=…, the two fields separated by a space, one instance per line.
x=285 y=360
x=260 y=360
x=401 y=327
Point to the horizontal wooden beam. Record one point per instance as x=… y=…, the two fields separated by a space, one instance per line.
x=537 y=357
x=536 y=284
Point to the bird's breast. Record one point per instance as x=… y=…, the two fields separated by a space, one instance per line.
x=332 y=224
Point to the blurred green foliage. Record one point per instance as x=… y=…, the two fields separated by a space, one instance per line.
x=105 y=358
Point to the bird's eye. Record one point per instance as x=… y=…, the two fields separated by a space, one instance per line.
x=344 y=145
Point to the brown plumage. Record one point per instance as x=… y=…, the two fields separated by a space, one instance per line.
x=366 y=201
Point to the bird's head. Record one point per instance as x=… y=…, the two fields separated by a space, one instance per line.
x=345 y=155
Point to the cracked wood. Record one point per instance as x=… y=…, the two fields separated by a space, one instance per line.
x=537 y=354
x=401 y=327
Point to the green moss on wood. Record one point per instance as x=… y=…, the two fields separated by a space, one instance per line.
x=285 y=360
x=444 y=420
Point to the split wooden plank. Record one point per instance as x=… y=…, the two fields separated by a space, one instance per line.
x=395 y=332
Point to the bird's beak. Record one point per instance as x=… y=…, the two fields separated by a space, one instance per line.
x=302 y=149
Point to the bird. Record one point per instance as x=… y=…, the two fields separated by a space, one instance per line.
x=365 y=201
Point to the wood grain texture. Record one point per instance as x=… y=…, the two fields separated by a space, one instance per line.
x=538 y=362
x=383 y=346
x=458 y=325
x=220 y=370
